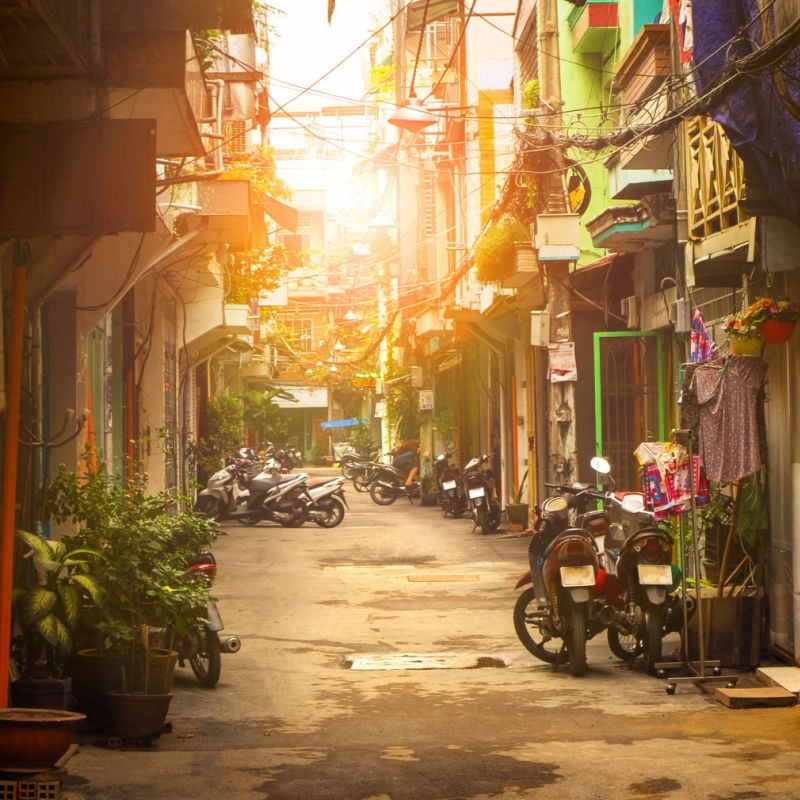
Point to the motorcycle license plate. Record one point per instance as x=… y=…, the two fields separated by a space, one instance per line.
x=475 y=493
x=655 y=574
x=577 y=576
x=448 y=486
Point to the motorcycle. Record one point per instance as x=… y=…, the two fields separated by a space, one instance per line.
x=450 y=495
x=275 y=497
x=387 y=483
x=568 y=597
x=202 y=646
x=220 y=497
x=354 y=461
x=478 y=488
x=288 y=457
x=326 y=502
x=648 y=579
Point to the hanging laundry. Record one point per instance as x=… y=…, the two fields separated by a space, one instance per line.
x=730 y=394
x=703 y=346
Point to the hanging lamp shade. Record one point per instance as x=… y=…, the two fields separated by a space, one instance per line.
x=412 y=117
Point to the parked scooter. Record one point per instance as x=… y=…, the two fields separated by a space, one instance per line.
x=450 y=490
x=479 y=490
x=202 y=646
x=275 y=497
x=220 y=497
x=648 y=579
x=564 y=601
x=326 y=504
x=387 y=483
x=353 y=461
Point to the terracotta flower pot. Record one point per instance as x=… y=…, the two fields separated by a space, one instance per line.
x=34 y=739
x=775 y=331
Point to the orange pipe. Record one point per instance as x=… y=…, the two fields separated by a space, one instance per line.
x=10 y=464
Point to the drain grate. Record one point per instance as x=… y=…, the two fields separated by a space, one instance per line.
x=398 y=661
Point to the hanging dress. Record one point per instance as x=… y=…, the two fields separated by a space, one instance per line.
x=730 y=394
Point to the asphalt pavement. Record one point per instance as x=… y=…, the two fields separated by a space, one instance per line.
x=379 y=662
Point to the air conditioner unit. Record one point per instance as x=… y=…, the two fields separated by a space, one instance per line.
x=630 y=311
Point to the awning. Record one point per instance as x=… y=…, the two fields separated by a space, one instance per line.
x=342 y=423
x=286 y=216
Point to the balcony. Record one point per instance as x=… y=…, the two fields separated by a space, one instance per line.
x=646 y=65
x=232 y=216
x=595 y=27
x=636 y=226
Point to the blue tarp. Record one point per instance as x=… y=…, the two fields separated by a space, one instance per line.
x=342 y=423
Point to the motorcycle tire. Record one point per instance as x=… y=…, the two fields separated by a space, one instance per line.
x=576 y=639
x=653 y=636
x=298 y=514
x=527 y=624
x=248 y=520
x=625 y=646
x=210 y=507
x=494 y=519
x=381 y=495
x=328 y=513
x=207 y=662
x=361 y=484
x=349 y=470
x=482 y=520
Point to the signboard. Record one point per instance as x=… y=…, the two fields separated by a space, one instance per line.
x=426 y=400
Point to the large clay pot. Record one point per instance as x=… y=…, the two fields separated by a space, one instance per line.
x=96 y=674
x=41 y=693
x=138 y=716
x=775 y=331
x=34 y=739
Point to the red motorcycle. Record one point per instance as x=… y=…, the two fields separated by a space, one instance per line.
x=568 y=598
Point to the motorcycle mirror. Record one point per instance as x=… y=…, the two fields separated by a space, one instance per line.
x=601 y=465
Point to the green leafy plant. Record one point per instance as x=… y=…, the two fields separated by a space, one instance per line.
x=518 y=491
x=52 y=586
x=224 y=425
x=496 y=252
x=143 y=544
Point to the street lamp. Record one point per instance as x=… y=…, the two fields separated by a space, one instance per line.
x=412 y=117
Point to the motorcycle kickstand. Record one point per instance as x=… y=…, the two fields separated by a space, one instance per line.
x=560 y=657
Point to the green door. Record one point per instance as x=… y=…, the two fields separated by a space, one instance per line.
x=629 y=398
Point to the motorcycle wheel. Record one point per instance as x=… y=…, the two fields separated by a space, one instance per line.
x=381 y=495
x=349 y=470
x=576 y=640
x=482 y=520
x=298 y=512
x=249 y=520
x=360 y=483
x=494 y=519
x=328 y=513
x=210 y=507
x=527 y=624
x=625 y=646
x=653 y=635
x=207 y=662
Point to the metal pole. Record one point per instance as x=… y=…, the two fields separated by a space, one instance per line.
x=10 y=462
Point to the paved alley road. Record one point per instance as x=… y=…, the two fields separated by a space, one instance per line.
x=328 y=698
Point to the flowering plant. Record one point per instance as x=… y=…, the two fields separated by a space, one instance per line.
x=766 y=308
x=740 y=325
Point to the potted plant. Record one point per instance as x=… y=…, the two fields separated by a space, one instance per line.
x=774 y=318
x=743 y=335
x=517 y=509
x=52 y=586
x=144 y=543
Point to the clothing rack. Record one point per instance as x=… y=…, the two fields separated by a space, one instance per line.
x=699 y=670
